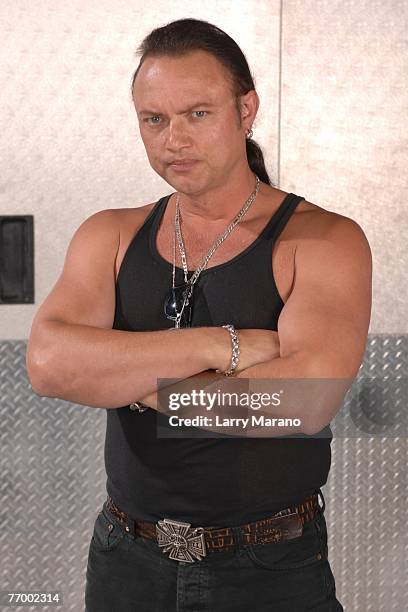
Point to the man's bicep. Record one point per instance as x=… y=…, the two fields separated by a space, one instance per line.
x=326 y=318
x=85 y=291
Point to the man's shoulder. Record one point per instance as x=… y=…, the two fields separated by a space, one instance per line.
x=307 y=217
x=323 y=233
x=320 y=235
x=319 y=222
x=127 y=213
x=125 y=219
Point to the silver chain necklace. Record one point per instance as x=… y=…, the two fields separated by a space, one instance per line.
x=214 y=247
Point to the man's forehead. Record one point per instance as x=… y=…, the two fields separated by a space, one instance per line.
x=149 y=99
x=194 y=72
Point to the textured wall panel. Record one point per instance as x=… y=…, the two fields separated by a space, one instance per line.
x=344 y=137
x=53 y=483
x=334 y=131
x=70 y=141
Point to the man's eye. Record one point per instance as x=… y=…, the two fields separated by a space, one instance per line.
x=200 y=113
x=153 y=120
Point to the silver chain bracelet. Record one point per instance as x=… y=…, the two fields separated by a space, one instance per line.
x=140 y=407
x=235 y=351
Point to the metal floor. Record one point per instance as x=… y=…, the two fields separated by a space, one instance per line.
x=52 y=456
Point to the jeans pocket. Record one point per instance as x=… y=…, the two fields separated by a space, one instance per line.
x=107 y=534
x=296 y=553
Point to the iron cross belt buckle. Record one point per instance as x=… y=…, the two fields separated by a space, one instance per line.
x=181 y=541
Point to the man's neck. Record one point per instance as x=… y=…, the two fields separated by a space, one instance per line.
x=220 y=204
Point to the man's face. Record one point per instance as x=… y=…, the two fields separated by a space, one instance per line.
x=187 y=111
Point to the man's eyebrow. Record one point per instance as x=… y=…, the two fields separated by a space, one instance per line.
x=186 y=110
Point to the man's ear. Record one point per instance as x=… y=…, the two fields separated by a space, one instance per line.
x=249 y=104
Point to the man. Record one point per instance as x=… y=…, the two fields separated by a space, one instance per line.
x=215 y=523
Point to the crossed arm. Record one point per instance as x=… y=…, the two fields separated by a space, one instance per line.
x=322 y=329
x=322 y=333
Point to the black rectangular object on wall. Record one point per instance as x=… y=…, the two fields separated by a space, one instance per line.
x=16 y=259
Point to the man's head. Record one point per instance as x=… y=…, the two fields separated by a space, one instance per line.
x=196 y=100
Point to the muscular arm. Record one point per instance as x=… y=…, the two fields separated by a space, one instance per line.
x=323 y=326
x=112 y=368
x=74 y=354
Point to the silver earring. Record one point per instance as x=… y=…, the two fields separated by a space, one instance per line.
x=249 y=133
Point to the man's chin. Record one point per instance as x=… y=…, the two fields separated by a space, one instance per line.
x=183 y=183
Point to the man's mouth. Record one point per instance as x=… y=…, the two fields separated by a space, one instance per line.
x=182 y=164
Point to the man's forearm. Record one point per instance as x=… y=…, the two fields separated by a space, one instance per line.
x=151 y=399
x=112 y=368
x=309 y=390
x=226 y=419
x=306 y=394
x=316 y=386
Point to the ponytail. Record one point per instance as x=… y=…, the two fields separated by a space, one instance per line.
x=256 y=161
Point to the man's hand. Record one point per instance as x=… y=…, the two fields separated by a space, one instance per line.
x=184 y=386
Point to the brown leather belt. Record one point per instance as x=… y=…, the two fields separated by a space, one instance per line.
x=186 y=543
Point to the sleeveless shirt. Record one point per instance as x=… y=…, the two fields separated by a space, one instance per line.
x=212 y=481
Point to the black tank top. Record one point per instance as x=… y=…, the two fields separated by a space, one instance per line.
x=219 y=481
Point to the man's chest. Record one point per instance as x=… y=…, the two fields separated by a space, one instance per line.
x=281 y=255
x=197 y=246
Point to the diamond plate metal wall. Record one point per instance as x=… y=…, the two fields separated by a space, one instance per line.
x=53 y=483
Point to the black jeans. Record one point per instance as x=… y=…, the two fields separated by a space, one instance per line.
x=127 y=574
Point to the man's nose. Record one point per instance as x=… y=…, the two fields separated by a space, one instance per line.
x=178 y=135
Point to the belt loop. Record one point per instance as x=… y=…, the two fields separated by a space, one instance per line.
x=128 y=524
x=320 y=493
x=237 y=538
